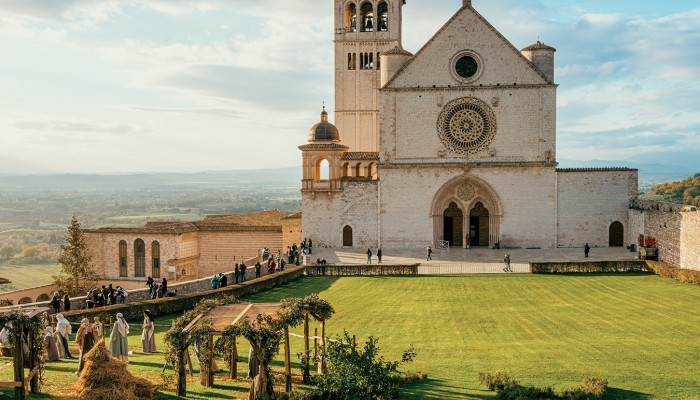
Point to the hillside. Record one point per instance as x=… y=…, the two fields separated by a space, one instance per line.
x=686 y=191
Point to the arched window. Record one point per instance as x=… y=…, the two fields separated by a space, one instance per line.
x=370 y=65
x=372 y=169
x=354 y=60
x=139 y=258
x=155 y=254
x=358 y=170
x=383 y=12
x=347 y=236
x=346 y=170
x=367 y=13
x=377 y=61
x=123 y=269
x=322 y=170
x=351 y=17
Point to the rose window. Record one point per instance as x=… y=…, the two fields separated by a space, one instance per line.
x=466 y=125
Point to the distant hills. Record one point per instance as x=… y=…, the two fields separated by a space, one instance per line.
x=650 y=173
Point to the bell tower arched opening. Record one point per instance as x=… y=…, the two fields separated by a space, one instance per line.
x=367 y=13
x=383 y=21
x=351 y=17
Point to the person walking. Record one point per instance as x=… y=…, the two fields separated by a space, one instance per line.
x=223 y=279
x=50 y=345
x=242 y=272
x=122 y=294
x=369 y=255
x=64 y=330
x=148 y=338
x=506 y=262
x=215 y=282
x=258 y=267
x=118 y=340
x=149 y=283
x=56 y=303
x=164 y=286
x=430 y=253
x=66 y=302
x=85 y=339
x=379 y=254
x=310 y=245
x=586 y=250
x=236 y=271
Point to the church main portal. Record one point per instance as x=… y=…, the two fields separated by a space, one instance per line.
x=466 y=210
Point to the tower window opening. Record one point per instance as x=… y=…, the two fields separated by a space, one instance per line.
x=367 y=17
x=351 y=17
x=370 y=65
x=349 y=60
x=377 y=61
x=354 y=60
x=383 y=23
x=322 y=170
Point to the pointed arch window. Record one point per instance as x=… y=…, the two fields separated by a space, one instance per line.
x=123 y=269
x=367 y=13
x=155 y=254
x=383 y=12
x=139 y=258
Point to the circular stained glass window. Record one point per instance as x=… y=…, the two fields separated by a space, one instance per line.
x=466 y=125
x=466 y=66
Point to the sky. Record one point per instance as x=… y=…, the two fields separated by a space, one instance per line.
x=118 y=86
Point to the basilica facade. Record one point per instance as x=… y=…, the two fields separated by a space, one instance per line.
x=453 y=144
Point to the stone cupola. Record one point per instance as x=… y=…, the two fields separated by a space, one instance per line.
x=542 y=57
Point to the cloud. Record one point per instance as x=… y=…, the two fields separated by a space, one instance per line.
x=78 y=127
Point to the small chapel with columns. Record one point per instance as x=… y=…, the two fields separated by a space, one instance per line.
x=453 y=144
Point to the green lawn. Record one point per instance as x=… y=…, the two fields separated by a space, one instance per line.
x=27 y=275
x=638 y=331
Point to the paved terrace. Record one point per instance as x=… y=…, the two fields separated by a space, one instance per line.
x=470 y=261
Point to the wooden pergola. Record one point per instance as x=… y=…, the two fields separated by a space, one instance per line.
x=20 y=382
x=221 y=317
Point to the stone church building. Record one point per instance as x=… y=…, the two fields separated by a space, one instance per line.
x=455 y=143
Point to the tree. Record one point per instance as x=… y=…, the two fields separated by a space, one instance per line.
x=7 y=252
x=77 y=275
x=30 y=252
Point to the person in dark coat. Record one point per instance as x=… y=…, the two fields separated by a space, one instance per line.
x=56 y=303
x=236 y=271
x=586 y=249
x=223 y=280
x=164 y=285
x=379 y=254
x=66 y=302
x=149 y=283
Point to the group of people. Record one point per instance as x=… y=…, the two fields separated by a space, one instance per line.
x=105 y=296
x=219 y=280
x=56 y=341
x=57 y=301
x=369 y=255
x=159 y=290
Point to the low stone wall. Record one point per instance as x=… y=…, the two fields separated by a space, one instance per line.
x=133 y=311
x=344 y=270
x=568 y=267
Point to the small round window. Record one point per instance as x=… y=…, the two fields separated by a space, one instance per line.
x=466 y=66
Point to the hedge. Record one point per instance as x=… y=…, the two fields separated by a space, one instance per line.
x=588 y=267
x=372 y=269
x=172 y=305
x=680 y=274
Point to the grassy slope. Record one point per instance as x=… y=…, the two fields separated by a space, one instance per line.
x=26 y=276
x=639 y=332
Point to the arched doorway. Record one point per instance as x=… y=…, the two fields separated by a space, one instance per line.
x=347 y=236
x=452 y=225
x=616 y=234
x=479 y=226
x=43 y=297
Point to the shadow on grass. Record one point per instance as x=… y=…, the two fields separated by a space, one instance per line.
x=622 y=394
x=439 y=389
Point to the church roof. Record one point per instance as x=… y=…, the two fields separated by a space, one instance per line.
x=538 y=46
x=398 y=50
x=447 y=24
x=361 y=156
x=269 y=220
x=324 y=131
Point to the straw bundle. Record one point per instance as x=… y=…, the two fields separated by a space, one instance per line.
x=106 y=378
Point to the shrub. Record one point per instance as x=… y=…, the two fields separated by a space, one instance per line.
x=509 y=389
x=574 y=267
x=680 y=274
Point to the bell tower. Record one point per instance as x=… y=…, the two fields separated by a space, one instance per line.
x=363 y=30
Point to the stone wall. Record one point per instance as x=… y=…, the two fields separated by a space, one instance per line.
x=327 y=213
x=291 y=232
x=589 y=201
x=676 y=229
x=104 y=250
x=218 y=248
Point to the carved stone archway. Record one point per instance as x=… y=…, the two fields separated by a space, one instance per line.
x=466 y=192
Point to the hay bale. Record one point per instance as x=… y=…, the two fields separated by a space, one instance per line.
x=106 y=378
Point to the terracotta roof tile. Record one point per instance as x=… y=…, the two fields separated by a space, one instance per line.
x=361 y=155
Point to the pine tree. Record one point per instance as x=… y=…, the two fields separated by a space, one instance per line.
x=76 y=276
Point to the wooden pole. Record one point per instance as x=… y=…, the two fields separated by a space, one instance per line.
x=181 y=376
x=316 y=345
x=306 y=375
x=189 y=361
x=34 y=382
x=322 y=361
x=234 y=360
x=19 y=368
x=210 y=362
x=287 y=363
